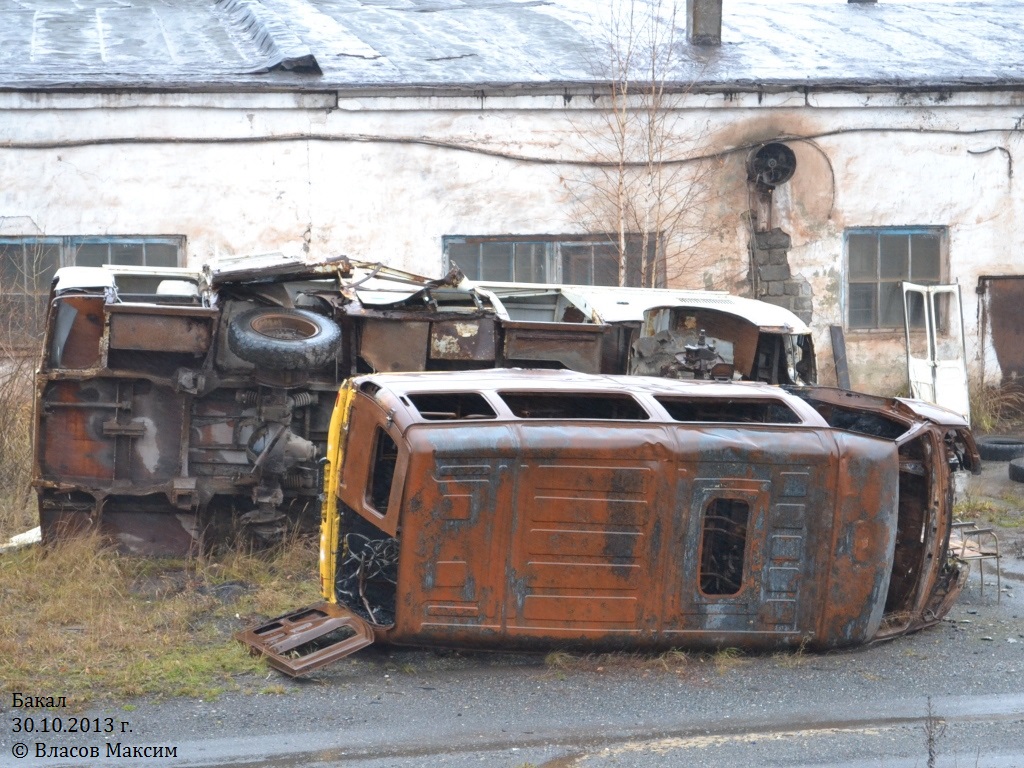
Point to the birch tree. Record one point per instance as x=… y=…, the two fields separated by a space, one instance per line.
x=645 y=184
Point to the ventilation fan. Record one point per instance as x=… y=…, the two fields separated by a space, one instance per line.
x=771 y=164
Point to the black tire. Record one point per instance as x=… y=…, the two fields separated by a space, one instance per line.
x=1016 y=469
x=994 y=448
x=284 y=339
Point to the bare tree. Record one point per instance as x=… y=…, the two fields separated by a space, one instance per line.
x=26 y=269
x=645 y=183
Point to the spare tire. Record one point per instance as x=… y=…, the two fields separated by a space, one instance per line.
x=1016 y=469
x=284 y=339
x=996 y=448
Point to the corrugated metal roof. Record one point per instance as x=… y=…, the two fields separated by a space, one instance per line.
x=360 y=44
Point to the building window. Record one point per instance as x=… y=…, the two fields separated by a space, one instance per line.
x=573 y=260
x=125 y=251
x=27 y=267
x=28 y=264
x=878 y=260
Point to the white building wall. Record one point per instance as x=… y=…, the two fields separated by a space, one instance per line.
x=384 y=179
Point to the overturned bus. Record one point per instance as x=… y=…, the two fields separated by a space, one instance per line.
x=516 y=509
x=176 y=409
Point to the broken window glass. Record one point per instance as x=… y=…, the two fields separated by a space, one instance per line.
x=723 y=546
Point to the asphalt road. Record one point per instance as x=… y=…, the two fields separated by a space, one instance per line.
x=383 y=708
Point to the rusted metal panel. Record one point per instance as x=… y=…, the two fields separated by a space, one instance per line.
x=923 y=581
x=395 y=346
x=463 y=340
x=75 y=330
x=105 y=431
x=1005 y=322
x=299 y=642
x=863 y=534
x=573 y=345
x=796 y=520
x=70 y=444
x=161 y=329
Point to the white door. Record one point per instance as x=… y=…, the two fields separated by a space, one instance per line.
x=936 y=359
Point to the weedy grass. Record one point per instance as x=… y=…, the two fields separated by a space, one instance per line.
x=726 y=659
x=996 y=409
x=17 y=512
x=1007 y=511
x=82 y=621
x=793 y=658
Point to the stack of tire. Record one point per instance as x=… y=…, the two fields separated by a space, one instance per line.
x=1001 y=448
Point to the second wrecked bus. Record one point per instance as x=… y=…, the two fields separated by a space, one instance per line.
x=538 y=509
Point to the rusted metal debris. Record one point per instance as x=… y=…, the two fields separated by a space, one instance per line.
x=547 y=508
x=481 y=506
x=177 y=409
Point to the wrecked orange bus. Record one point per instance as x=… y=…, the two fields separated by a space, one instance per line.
x=538 y=509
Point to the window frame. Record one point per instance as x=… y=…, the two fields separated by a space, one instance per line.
x=382 y=468
x=75 y=243
x=553 y=260
x=67 y=249
x=716 y=526
x=940 y=233
x=23 y=306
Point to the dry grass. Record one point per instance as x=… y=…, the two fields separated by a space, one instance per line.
x=17 y=510
x=728 y=659
x=82 y=621
x=797 y=656
x=996 y=409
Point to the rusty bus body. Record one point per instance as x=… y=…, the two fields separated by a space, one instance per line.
x=545 y=509
x=177 y=408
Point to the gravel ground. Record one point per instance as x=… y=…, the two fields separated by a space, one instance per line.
x=397 y=707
